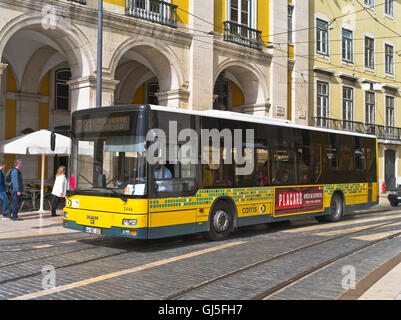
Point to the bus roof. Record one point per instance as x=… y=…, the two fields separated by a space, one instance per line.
x=219 y=115
x=254 y=119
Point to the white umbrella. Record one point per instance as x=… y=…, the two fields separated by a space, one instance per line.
x=36 y=143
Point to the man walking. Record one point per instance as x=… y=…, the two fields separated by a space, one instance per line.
x=16 y=189
x=3 y=187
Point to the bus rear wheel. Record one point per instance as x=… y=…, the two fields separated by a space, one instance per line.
x=220 y=222
x=336 y=210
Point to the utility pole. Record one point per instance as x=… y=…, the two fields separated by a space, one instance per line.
x=99 y=55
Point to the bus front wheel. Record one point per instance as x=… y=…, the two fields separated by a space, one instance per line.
x=220 y=222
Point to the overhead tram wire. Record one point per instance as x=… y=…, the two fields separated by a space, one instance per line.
x=330 y=22
x=279 y=33
x=331 y=64
x=306 y=57
x=302 y=29
x=379 y=22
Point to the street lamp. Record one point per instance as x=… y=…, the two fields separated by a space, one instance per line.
x=99 y=55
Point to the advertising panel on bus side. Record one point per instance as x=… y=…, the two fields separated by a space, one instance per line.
x=295 y=200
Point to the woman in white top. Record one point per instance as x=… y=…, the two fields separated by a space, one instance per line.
x=59 y=188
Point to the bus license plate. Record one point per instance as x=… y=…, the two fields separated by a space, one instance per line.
x=93 y=230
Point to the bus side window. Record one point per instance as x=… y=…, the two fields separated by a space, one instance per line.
x=283 y=165
x=262 y=167
x=217 y=172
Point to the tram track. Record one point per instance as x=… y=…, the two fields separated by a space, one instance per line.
x=156 y=245
x=50 y=255
x=298 y=277
x=266 y=294
x=172 y=242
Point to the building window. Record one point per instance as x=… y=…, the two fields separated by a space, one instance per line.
x=290 y=22
x=390 y=111
x=322 y=37
x=389 y=7
x=347 y=45
x=370 y=109
x=369 y=53
x=389 y=59
x=152 y=88
x=348 y=108
x=62 y=89
x=322 y=111
x=241 y=12
x=369 y=3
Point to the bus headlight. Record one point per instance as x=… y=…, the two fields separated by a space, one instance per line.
x=130 y=222
x=65 y=214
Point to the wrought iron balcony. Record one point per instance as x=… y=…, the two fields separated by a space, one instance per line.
x=243 y=35
x=382 y=132
x=153 y=10
x=78 y=1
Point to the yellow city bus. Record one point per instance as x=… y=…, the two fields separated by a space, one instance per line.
x=295 y=171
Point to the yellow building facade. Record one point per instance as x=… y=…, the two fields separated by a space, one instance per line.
x=355 y=78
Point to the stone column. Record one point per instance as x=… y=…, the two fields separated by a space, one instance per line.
x=83 y=92
x=3 y=92
x=174 y=98
x=201 y=56
x=279 y=66
x=261 y=110
x=302 y=61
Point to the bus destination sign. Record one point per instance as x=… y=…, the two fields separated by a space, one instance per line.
x=105 y=124
x=298 y=200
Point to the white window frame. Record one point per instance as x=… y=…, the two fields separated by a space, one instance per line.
x=253 y=12
x=351 y=60
x=366 y=35
x=318 y=51
x=351 y=101
x=389 y=4
x=385 y=44
x=369 y=3
x=386 y=107
x=374 y=106
x=319 y=97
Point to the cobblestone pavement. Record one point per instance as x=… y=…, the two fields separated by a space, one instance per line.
x=83 y=266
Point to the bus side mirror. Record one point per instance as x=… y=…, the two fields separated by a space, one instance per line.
x=53 y=141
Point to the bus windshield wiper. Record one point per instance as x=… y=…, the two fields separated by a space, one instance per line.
x=122 y=197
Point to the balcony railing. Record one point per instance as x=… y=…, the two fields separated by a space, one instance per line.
x=382 y=132
x=243 y=35
x=78 y=1
x=153 y=10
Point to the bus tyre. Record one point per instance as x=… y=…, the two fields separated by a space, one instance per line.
x=336 y=210
x=220 y=222
x=394 y=204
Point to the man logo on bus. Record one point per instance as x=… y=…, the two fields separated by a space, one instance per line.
x=182 y=147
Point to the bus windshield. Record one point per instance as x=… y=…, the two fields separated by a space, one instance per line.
x=108 y=154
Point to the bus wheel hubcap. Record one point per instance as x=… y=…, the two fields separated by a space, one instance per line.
x=220 y=221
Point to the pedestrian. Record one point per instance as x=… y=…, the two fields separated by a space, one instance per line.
x=3 y=188
x=59 y=189
x=16 y=188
